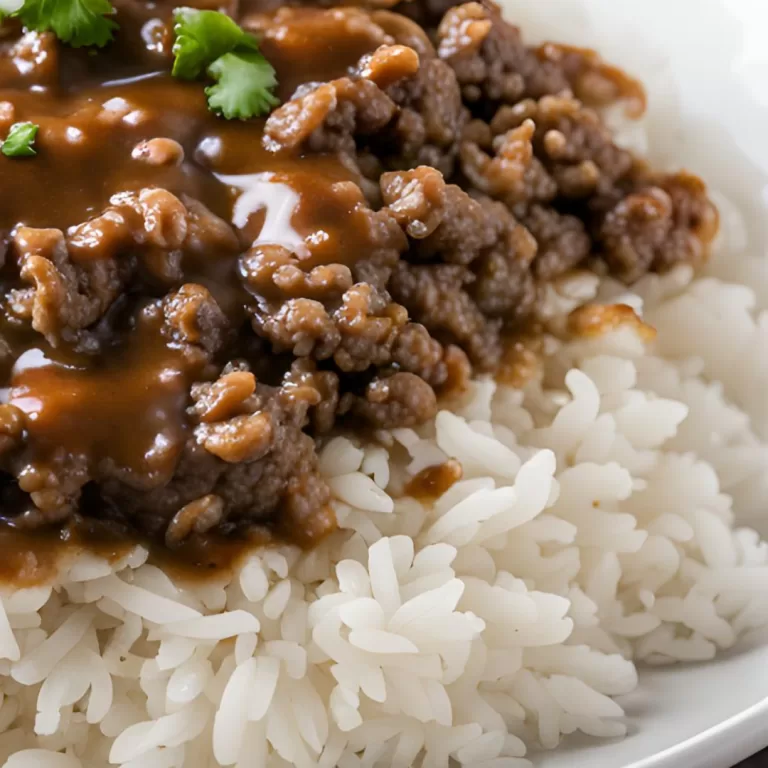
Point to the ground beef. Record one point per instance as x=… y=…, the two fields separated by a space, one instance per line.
x=492 y=64
x=394 y=222
x=504 y=165
x=429 y=120
x=469 y=274
x=562 y=241
x=63 y=298
x=439 y=298
x=399 y=400
x=194 y=321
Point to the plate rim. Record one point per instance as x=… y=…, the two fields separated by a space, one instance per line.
x=734 y=739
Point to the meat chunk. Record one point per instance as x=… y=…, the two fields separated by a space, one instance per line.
x=443 y=221
x=429 y=122
x=506 y=168
x=329 y=117
x=439 y=300
x=197 y=517
x=247 y=456
x=471 y=271
x=491 y=61
x=65 y=297
x=657 y=227
x=563 y=242
x=400 y=400
x=194 y=321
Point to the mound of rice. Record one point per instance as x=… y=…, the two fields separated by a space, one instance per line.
x=592 y=529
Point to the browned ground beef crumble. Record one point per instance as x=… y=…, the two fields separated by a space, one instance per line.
x=394 y=221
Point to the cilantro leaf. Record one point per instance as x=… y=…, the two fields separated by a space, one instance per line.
x=211 y=42
x=202 y=37
x=244 y=84
x=77 y=22
x=20 y=139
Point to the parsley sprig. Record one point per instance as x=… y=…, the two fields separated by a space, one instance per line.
x=20 y=140
x=212 y=43
x=207 y=43
x=244 y=84
x=76 y=22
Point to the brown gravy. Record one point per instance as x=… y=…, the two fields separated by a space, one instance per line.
x=34 y=558
x=432 y=482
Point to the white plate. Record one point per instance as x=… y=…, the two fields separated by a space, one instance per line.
x=706 y=62
x=695 y=716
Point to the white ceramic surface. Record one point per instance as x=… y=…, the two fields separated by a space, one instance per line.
x=694 y=716
x=707 y=60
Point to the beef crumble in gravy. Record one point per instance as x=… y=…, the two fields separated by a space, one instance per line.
x=189 y=303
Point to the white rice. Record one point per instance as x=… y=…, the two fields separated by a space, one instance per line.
x=594 y=528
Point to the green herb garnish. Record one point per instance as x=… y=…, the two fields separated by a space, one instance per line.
x=76 y=22
x=244 y=85
x=20 y=139
x=211 y=42
x=203 y=36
